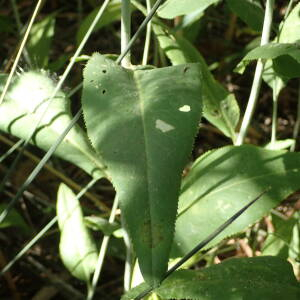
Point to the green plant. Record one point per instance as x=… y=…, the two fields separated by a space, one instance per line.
x=140 y=125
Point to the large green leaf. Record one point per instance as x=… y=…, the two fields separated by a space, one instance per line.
x=143 y=123
x=264 y=278
x=249 y=11
x=222 y=181
x=219 y=106
x=173 y=8
x=77 y=248
x=23 y=107
x=40 y=40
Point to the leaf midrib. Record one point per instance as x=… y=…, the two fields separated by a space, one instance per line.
x=141 y=105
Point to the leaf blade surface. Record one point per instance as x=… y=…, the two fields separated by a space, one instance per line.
x=236 y=278
x=224 y=180
x=143 y=124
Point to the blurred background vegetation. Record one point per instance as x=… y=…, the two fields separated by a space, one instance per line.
x=219 y=35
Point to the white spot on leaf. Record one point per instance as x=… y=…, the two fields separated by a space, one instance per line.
x=163 y=126
x=185 y=108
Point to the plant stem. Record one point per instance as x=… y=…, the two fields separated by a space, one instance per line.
x=257 y=76
x=102 y=253
x=140 y=29
x=148 y=36
x=125 y=31
x=274 y=113
x=297 y=124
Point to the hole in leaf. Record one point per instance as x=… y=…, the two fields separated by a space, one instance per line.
x=215 y=113
x=103 y=92
x=104 y=71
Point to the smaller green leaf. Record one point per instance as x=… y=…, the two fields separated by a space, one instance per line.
x=270 y=51
x=275 y=81
x=289 y=29
x=237 y=278
x=40 y=41
x=249 y=11
x=173 y=8
x=77 y=248
x=14 y=219
x=98 y=223
x=280 y=144
x=286 y=66
x=283 y=242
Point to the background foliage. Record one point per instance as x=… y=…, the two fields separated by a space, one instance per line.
x=200 y=63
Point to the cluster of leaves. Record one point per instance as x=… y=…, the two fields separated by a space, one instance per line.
x=140 y=127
